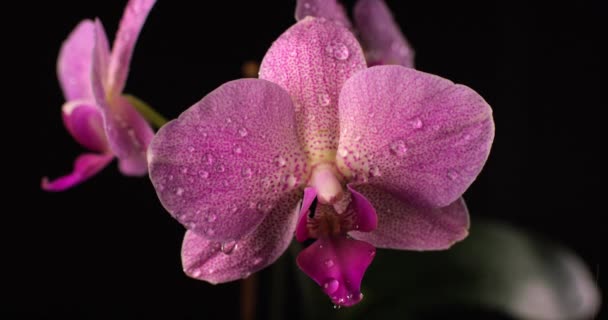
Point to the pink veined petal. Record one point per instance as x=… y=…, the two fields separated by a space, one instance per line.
x=312 y=60
x=127 y=131
x=366 y=218
x=217 y=262
x=132 y=21
x=84 y=122
x=74 y=62
x=403 y=226
x=229 y=159
x=328 y=9
x=414 y=134
x=381 y=37
x=85 y=166
x=338 y=264
x=310 y=194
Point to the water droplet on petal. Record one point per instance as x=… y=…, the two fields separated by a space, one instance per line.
x=452 y=174
x=237 y=150
x=196 y=273
x=246 y=173
x=256 y=261
x=324 y=99
x=291 y=181
x=191 y=149
x=343 y=152
x=221 y=168
x=375 y=171
x=328 y=263
x=372 y=253
x=207 y=158
x=203 y=174
x=185 y=170
x=280 y=161
x=179 y=191
x=243 y=132
x=228 y=247
x=337 y=307
x=357 y=138
x=349 y=296
x=337 y=50
x=398 y=148
x=209 y=232
x=416 y=123
x=331 y=286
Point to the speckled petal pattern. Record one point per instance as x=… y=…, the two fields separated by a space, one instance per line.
x=312 y=60
x=380 y=35
x=132 y=21
x=338 y=264
x=229 y=159
x=217 y=262
x=328 y=9
x=403 y=226
x=416 y=135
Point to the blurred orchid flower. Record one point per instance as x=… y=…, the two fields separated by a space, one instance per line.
x=379 y=34
x=96 y=114
x=326 y=148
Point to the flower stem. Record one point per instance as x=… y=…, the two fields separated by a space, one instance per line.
x=248 y=297
x=151 y=115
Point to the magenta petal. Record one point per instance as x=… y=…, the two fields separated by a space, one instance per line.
x=216 y=262
x=416 y=135
x=381 y=36
x=403 y=226
x=337 y=264
x=133 y=19
x=85 y=166
x=312 y=60
x=310 y=194
x=366 y=220
x=328 y=9
x=229 y=159
x=74 y=63
x=84 y=122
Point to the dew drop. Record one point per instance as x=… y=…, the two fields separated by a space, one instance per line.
x=337 y=50
x=203 y=174
x=324 y=99
x=211 y=217
x=328 y=263
x=349 y=296
x=416 y=123
x=237 y=150
x=246 y=173
x=221 y=168
x=375 y=171
x=191 y=149
x=228 y=247
x=398 y=148
x=243 y=132
x=357 y=138
x=179 y=191
x=337 y=307
x=343 y=152
x=185 y=170
x=257 y=260
x=228 y=120
x=207 y=158
x=196 y=273
x=209 y=232
x=452 y=174
x=331 y=286
x=291 y=181
x=280 y=161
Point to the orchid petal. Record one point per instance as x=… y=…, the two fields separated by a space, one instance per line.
x=403 y=226
x=416 y=135
x=312 y=60
x=74 y=63
x=337 y=264
x=127 y=131
x=84 y=122
x=328 y=9
x=229 y=159
x=366 y=217
x=310 y=195
x=215 y=262
x=85 y=166
x=380 y=35
x=132 y=21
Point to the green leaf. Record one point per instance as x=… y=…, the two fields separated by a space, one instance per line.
x=496 y=268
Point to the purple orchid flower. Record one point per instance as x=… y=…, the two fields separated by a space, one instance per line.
x=379 y=34
x=96 y=114
x=326 y=148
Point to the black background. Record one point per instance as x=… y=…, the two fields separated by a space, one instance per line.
x=107 y=248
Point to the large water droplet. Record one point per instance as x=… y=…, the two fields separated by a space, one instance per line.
x=329 y=263
x=291 y=181
x=228 y=247
x=243 y=132
x=196 y=273
x=280 y=161
x=343 y=152
x=246 y=173
x=324 y=99
x=398 y=148
x=337 y=50
x=331 y=286
x=375 y=171
x=179 y=191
